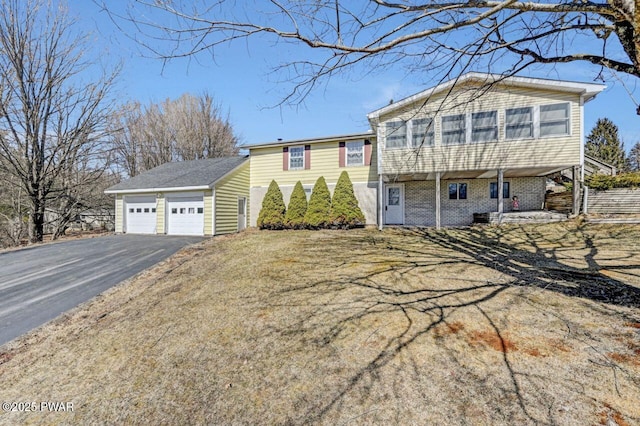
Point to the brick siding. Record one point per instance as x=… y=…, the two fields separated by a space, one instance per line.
x=420 y=200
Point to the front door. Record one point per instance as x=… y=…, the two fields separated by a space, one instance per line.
x=394 y=204
x=242 y=213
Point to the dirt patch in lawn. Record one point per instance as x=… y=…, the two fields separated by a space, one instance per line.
x=509 y=325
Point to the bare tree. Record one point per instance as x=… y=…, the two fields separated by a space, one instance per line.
x=437 y=37
x=51 y=118
x=188 y=128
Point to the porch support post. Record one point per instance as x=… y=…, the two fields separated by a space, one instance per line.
x=380 y=202
x=500 y=194
x=438 y=220
x=576 y=190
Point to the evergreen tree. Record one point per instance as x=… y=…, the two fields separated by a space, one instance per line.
x=297 y=208
x=345 y=212
x=319 y=208
x=634 y=158
x=273 y=210
x=604 y=144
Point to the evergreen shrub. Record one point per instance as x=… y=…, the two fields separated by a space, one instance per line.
x=273 y=210
x=294 y=218
x=319 y=208
x=345 y=212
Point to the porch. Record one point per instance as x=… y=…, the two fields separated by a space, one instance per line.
x=455 y=198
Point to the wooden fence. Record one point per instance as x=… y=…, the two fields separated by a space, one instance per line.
x=614 y=201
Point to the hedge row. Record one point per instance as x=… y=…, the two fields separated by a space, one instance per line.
x=321 y=212
x=602 y=182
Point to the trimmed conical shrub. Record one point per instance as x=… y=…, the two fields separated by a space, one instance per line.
x=345 y=212
x=319 y=207
x=272 y=212
x=294 y=218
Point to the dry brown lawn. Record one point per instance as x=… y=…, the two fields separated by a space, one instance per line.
x=510 y=325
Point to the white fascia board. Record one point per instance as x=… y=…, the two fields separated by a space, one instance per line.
x=588 y=90
x=143 y=190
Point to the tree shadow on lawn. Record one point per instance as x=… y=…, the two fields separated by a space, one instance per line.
x=395 y=274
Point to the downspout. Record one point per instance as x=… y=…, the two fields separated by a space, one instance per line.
x=380 y=172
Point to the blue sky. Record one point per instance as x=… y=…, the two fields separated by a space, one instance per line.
x=242 y=81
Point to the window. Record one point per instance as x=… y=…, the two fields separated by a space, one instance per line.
x=519 y=123
x=394 y=196
x=355 y=153
x=131 y=210
x=296 y=157
x=395 y=134
x=174 y=211
x=453 y=129
x=146 y=209
x=153 y=210
x=192 y=210
x=139 y=210
x=554 y=119
x=457 y=191
x=422 y=132
x=200 y=210
x=493 y=190
x=182 y=210
x=484 y=126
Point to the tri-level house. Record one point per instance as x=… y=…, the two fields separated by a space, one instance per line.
x=436 y=158
x=466 y=146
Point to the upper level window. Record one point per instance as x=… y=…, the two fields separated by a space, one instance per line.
x=422 y=132
x=519 y=123
x=453 y=129
x=296 y=157
x=395 y=134
x=484 y=126
x=554 y=119
x=355 y=153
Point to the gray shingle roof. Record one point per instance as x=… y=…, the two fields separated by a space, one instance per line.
x=181 y=174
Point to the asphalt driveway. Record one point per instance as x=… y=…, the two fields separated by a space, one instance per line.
x=39 y=283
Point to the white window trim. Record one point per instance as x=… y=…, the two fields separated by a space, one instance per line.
x=467 y=129
x=559 y=135
x=533 y=124
x=410 y=132
x=291 y=148
x=536 y=122
x=346 y=153
x=470 y=122
x=407 y=133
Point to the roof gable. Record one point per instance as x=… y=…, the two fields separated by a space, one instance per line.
x=588 y=90
x=195 y=174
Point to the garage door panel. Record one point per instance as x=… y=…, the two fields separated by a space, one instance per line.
x=140 y=215
x=186 y=215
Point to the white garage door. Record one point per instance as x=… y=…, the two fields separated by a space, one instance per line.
x=141 y=215
x=185 y=215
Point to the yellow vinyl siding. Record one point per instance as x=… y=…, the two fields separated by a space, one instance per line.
x=119 y=213
x=545 y=151
x=227 y=191
x=208 y=213
x=160 y=214
x=266 y=165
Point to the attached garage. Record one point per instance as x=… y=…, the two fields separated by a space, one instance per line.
x=185 y=214
x=140 y=214
x=199 y=197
